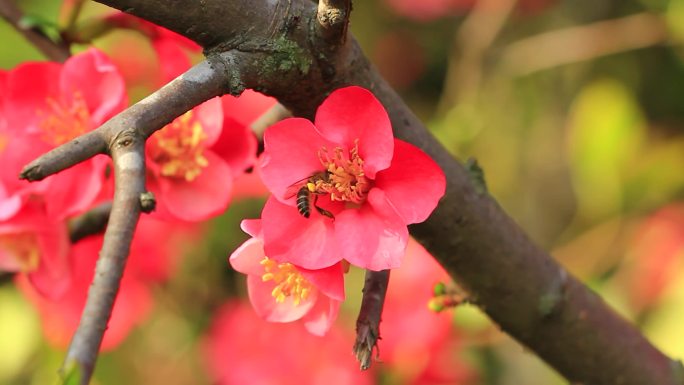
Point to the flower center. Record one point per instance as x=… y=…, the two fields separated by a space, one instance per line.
x=346 y=180
x=288 y=280
x=62 y=122
x=178 y=148
x=22 y=250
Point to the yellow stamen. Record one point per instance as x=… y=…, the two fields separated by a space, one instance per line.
x=346 y=180
x=23 y=248
x=63 y=122
x=178 y=148
x=288 y=280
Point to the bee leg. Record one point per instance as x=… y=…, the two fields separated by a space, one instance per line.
x=321 y=210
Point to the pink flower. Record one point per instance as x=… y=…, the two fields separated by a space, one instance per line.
x=193 y=161
x=242 y=349
x=190 y=179
x=47 y=104
x=283 y=292
x=365 y=186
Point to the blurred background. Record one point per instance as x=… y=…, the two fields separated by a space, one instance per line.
x=573 y=108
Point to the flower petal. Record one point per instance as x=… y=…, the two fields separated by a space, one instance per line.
x=205 y=196
x=289 y=237
x=251 y=227
x=413 y=184
x=237 y=145
x=353 y=113
x=28 y=88
x=290 y=155
x=319 y=319
x=247 y=257
x=98 y=81
x=266 y=306
x=329 y=280
x=369 y=240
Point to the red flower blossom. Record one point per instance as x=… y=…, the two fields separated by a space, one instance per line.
x=194 y=160
x=242 y=349
x=190 y=181
x=283 y=292
x=47 y=104
x=366 y=186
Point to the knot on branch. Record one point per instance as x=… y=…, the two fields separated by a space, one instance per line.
x=147 y=202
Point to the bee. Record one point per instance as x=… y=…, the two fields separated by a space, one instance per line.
x=307 y=195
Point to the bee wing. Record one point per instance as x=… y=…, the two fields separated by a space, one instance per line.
x=295 y=187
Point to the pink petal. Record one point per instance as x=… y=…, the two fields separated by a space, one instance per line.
x=329 y=280
x=352 y=113
x=237 y=145
x=251 y=227
x=53 y=276
x=247 y=107
x=99 y=82
x=289 y=237
x=290 y=154
x=172 y=59
x=369 y=240
x=205 y=196
x=73 y=191
x=28 y=88
x=319 y=319
x=413 y=184
x=210 y=116
x=247 y=257
x=266 y=306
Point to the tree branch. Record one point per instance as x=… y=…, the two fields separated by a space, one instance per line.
x=517 y=284
x=576 y=44
x=13 y=15
x=370 y=314
x=90 y=223
x=333 y=20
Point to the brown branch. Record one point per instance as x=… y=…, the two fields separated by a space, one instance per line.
x=370 y=314
x=52 y=50
x=128 y=154
x=515 y=282
x=90 y=223
x=576 y=44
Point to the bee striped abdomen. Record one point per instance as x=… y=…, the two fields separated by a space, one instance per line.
x=304 y=202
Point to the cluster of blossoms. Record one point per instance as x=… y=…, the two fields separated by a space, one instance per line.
x=343 y=192
x=192 y=165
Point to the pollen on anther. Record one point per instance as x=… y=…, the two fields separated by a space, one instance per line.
x=288 y=281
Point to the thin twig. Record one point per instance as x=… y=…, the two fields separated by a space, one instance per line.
x=576 y=44
x=90 y=223
x=333 y=20
x=272 y=116
x=52 y=50
x=370 y=314
x=198 y=84
x=476 y=35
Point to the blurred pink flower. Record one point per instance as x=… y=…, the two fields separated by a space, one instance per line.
x=149 y=262
x=373 y=185
x=415 y=339
x=240 y=348
x=283 y=292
